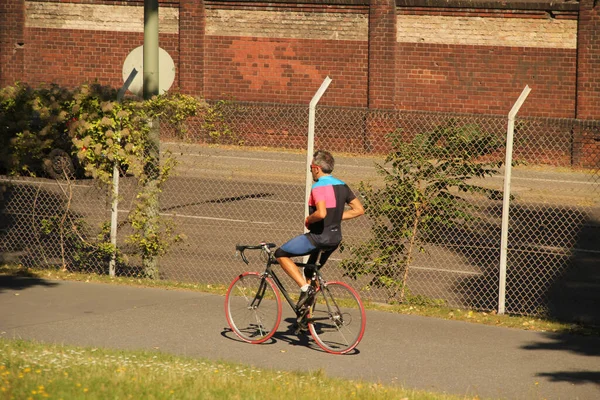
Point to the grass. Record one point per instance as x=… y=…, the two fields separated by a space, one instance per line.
x=30 y=370
x=474 y=316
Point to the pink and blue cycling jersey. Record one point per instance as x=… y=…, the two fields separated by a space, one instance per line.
x=336 y=194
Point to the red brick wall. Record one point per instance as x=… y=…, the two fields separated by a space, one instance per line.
x=12 y=16
x=382 y=53
x=191 y=47
x=285 y=70
x=73 y=57
x=588 y=74
x=485 y=80
x=380 y=69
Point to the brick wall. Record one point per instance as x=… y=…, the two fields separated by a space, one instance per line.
x=12 y=16
x=405 y=54
x=278 y=53
x=382 y=54
x=456 y=60
x=72 y=43
x=285 y=71
x=191 y=47
x=588 y=73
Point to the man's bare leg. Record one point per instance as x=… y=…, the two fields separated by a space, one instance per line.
x=290 y=267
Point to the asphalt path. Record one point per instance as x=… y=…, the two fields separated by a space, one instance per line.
x=436 y=355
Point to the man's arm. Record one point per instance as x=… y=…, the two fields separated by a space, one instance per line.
x=356 y=210
x=319 y=214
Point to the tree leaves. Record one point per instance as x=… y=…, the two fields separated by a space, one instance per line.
x=423 y=181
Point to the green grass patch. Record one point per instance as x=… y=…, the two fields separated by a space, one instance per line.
x=425 y=309
x=30 y=370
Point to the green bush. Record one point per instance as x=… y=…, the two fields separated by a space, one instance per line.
x=424 y=182
x=33 y=123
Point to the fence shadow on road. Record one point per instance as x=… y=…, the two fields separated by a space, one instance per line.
x=552 y=265
x=578 y=344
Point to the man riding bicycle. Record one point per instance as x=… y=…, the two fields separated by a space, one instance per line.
x=326 y=203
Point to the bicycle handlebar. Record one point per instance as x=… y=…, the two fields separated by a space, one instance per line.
x=239 y=248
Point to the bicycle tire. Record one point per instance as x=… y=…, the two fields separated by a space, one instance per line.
x=337 y=318
x=254 y=319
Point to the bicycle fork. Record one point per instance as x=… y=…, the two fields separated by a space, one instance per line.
x=333 y=310
x=262 y=288
x=255 y=303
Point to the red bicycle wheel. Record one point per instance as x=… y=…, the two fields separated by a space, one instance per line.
x=253 y=307
x=337 y=320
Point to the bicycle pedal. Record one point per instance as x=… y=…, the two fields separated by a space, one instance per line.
x=301 y=328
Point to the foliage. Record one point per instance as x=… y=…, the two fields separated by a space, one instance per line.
x=84 y=253
x=106 y=131
x=101 y=133
x=32 y=123
x=215 y=123
x=426 y=180
x=109 y=132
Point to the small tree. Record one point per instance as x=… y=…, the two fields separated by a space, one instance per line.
x=108 y=132
x=423 y=182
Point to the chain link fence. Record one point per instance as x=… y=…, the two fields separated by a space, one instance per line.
x=240 y=178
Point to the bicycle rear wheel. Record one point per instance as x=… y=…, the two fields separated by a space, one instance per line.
x=337 y=319
x=253 y=307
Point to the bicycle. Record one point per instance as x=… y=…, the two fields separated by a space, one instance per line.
x=335 y=318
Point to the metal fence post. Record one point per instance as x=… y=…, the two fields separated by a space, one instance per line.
x=310 y=145
x=311 y=137
x=506 y=198
x=114 y=213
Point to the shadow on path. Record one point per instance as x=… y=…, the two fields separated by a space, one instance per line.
x=17 y=282
x=290 y=336
x=577 y=344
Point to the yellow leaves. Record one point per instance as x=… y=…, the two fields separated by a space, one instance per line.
x=86 y=141
x=107 y=106
x=107 y=122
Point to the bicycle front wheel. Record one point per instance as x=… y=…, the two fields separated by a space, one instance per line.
x=337 y=319
x=253 y=307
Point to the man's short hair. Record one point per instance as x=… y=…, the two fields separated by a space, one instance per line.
x=325 y=160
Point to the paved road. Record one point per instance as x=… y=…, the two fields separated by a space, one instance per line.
x=423 y=353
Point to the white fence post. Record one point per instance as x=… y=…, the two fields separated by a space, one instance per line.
x=114 y=212
x=311 y=138
x=506 y=199
x=310 y=145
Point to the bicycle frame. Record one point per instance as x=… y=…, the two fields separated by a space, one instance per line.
x=265 y=247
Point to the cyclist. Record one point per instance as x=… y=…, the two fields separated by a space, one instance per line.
x=326 y=203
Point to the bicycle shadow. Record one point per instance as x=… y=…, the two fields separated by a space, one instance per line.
x=289 y=336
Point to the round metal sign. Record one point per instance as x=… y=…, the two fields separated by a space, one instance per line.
x=166 y=68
